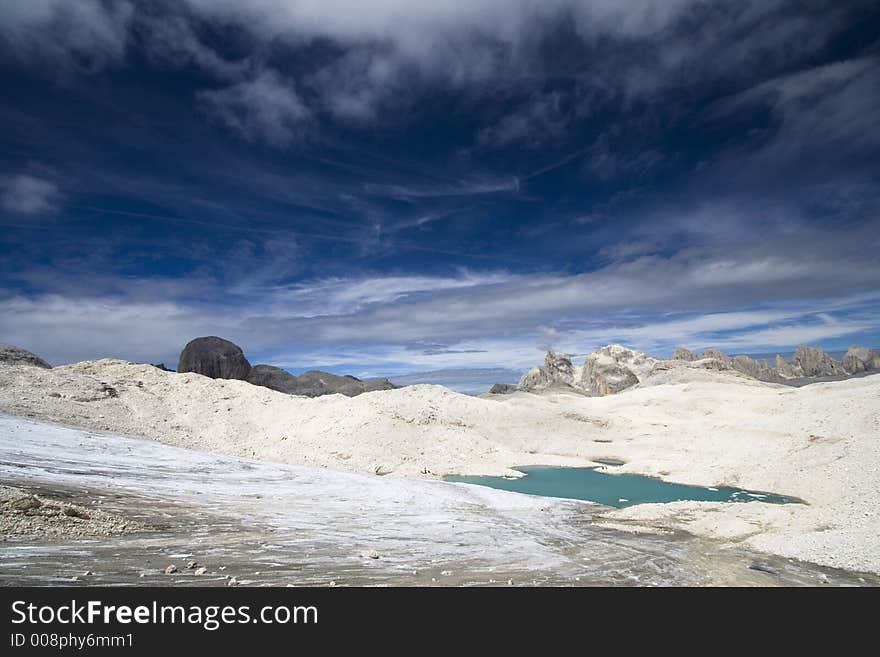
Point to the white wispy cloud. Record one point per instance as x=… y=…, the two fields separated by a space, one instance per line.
x=266 y=107
x=478 y=319
x=27 y=194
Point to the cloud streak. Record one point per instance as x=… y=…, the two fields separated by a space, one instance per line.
x=27 y=194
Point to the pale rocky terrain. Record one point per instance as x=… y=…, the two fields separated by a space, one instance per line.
x=25 y=514
x=682 y=422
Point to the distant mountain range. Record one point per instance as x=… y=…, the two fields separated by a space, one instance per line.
x=469 y=381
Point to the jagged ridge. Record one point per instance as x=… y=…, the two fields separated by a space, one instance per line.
x=614 y=368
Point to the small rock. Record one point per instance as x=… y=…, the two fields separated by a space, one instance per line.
x=764 y=568
x=510 y=582
x=87 y=573
x=370 y=554
x=232 y=582
x=55 y=394
x=332 y=583
x=171 y=569
x=201 y=570
x=26 y=503
x=191 y=564
x=446 y=573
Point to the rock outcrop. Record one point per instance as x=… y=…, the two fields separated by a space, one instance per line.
x=606 y=371
x=812 y=361
x=17 y=355
x=757 y=369
x=313 y=383
x=214 y=357
x=783 y=368
x=557 y=371
x=273 y=377
x=603 y=374
x=861 y=359
x=615 y=368
x=222 y=359
x=807 y=362
x=503 y=389
x=683 y=354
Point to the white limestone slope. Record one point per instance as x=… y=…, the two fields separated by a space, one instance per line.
x=820 y=442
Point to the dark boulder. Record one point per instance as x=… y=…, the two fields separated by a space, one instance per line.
x=19 y=356
x=214 y=357
x=503 y=389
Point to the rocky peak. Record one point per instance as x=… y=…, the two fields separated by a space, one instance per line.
x=683 y=354
x=557 y=370
x=812 y=361
x=861 y=359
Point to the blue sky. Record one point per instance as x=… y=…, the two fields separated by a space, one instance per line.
x=383 y=186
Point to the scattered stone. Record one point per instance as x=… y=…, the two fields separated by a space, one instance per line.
x=88 y=573
x=763 y=568
x=232 y=581
x=191 y=564
x=201 y=570
x=170 y=570
x=332 y=583
x=56 y=395
x=26 y=503
x=370 y=554
x=75 y=512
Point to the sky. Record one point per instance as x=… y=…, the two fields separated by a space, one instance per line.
x=384 y=186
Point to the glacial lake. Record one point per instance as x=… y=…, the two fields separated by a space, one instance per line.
x=614 y=490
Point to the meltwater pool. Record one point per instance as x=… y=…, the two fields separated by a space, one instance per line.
x=614 y=490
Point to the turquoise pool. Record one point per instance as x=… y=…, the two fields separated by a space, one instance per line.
x=614 y=490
